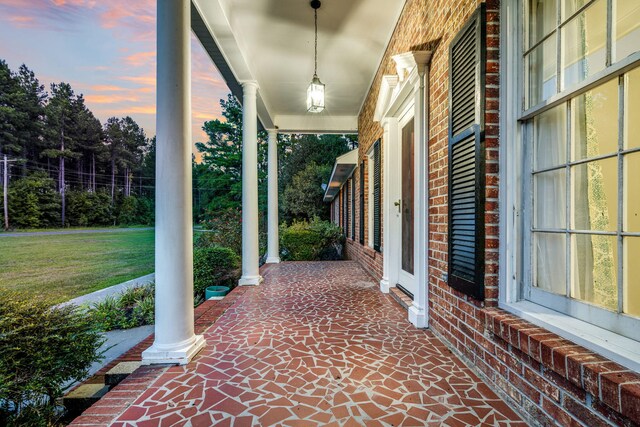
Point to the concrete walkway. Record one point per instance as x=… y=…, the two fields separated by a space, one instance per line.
x=316 y=344
x=89 y=231
x=114 y=290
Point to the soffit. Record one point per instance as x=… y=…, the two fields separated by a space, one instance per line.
x=271 y=41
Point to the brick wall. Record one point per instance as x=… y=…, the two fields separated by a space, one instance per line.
x=550 y=380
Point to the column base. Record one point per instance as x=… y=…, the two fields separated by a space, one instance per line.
x=418 y=317
x=178 y=354
x=250 y=280
x=384 y=285
x=273 y=260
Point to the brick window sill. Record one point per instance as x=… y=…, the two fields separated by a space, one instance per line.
x=611 y=383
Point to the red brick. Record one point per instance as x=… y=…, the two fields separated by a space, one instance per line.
x=630 y=401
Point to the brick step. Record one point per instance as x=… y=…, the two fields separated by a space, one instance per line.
x=401 y=298
x=82 y=397
x=119 y=372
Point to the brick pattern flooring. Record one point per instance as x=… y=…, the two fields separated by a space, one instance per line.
x=126 y=393
x=316 y=344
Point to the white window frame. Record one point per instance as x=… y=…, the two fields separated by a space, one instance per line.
x=370 y=160
x=515 y=265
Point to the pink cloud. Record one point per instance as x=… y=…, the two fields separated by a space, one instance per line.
x=107 y=88
x=110 y=99
x=141 y=58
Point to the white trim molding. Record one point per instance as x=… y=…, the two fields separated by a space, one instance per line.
x=400 y=95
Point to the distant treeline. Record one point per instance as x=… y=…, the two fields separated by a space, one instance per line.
x=65 y=167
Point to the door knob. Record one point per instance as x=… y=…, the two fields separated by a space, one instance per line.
x=397 y=204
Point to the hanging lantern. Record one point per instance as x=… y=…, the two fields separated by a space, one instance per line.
x=315 y=91
x=315 y=95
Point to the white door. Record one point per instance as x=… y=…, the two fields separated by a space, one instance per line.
x=405 y=205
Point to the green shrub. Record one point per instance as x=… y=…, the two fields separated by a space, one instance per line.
x=133 y=307
x=41 y=349
x=224 y=228
x=85 y=208
x=34 y=202
x=214 y=266
x=127 y=209
x=311 y=241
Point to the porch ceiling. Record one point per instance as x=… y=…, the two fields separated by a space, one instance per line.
x=271 y=41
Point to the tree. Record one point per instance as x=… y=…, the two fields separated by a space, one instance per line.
x=31 y=126
x=61 y=121
x=125 y=142
x=303 y=198
x=10 y=115
x=219 y=178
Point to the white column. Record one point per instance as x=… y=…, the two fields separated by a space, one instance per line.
x=250 y=249
x=273 y=247
x=175 y=341
x=391 y=187
x=418 y=312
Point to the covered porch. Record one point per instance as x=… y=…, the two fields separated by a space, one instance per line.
x=315 y=344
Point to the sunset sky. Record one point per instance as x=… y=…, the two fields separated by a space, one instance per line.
x=106 y=50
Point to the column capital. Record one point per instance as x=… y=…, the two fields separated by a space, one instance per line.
x=272 y=132
x=249 y=84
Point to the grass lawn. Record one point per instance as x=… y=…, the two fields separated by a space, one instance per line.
x=65 y=266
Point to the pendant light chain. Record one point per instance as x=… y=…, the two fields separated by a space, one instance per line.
x=315 y=70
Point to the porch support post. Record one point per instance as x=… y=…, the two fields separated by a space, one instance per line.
x=273 y=247
x=250 y=249
x=390 y=214
x=418 y=314
x=175 y=341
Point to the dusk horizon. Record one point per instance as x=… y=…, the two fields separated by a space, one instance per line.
x=107 y=53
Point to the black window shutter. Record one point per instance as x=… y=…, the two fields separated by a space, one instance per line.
x=346 y=209
x=353 y=208
x=467 y=60
x=376 y=196
x=362 y=203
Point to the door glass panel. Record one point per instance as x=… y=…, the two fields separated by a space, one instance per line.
x=595 y=269
x=407 y=197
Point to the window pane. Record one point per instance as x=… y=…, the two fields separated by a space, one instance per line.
x=540 y=66
x=551 y=262
x=542 y=19
x=570 y=6
x=550 y=199
x=594 y=199
x=550 y=130
x=626 y=21
x=595 y=121
x=631 y=284
x=594 y=269
x=584 y=44
x=632 y=109
x=631 y=195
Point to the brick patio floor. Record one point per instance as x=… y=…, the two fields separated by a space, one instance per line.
x=316 y=344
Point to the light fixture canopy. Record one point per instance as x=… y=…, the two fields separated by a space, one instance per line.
x=315 y=91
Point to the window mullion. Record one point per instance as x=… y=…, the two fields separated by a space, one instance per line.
x=558 y=47
x=609 y=35
x=620 y=189
x=568 y=198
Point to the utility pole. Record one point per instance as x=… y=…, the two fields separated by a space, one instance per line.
x=5 y=188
